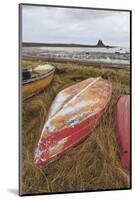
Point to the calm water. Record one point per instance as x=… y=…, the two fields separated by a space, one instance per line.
x=119 y=55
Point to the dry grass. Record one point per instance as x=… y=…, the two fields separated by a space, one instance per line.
x=92 y=165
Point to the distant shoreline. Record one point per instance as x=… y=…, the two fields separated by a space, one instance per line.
x=32 y=44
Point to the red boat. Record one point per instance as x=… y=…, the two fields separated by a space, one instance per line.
x=74 y=114
x=123 y=129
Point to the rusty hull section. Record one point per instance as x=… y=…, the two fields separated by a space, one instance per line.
x=73 y=115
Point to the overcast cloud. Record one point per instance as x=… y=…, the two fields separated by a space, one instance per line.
x=67 y=25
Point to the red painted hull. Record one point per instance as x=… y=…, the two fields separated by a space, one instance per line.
x=123 y=129
x=73 y=134
x=74 y=114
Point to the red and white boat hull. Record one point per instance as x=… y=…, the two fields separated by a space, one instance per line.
x=76 y=111
x=58 y=142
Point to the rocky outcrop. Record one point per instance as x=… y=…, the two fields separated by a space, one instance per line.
x=100 y=44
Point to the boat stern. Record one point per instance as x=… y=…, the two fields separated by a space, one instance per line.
x=41 y=154
x=48 y=148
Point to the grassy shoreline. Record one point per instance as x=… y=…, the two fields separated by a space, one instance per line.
x=78 y=62
x=94 y=164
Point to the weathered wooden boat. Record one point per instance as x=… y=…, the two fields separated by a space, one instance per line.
x=75 y=112
x=123 y=129
x=37 y=81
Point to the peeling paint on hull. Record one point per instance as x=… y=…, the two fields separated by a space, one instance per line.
x=123 y=129
x=75 y=117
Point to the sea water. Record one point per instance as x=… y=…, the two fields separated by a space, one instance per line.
x=116 y=55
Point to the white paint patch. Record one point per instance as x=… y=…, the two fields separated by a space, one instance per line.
x=37 y=154
x=57 y=103
x=59 y=143
x=63 y=140
x=75 y=119
x=44 y=67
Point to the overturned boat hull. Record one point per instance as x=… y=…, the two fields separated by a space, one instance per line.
x=123 y=129
x=61 y=141
x=74 y=114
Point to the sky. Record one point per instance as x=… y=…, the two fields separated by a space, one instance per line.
x=70 y=25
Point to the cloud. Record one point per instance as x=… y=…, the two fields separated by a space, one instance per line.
x=70 y=25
